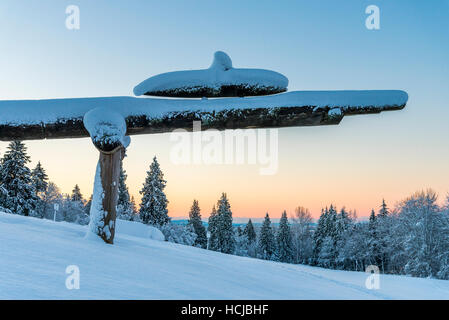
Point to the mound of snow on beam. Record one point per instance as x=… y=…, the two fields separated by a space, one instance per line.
x=106 y=125
x=220 y=73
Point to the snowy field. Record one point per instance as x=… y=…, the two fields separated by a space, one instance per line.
x=34 y=255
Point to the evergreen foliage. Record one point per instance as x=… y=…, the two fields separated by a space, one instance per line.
x=153 y=208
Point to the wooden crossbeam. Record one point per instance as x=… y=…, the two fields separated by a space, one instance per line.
x=63 y=118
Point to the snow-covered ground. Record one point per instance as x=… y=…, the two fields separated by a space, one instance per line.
x=34 y=255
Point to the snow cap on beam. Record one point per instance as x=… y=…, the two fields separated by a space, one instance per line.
x=219 y=80
x=107 y=129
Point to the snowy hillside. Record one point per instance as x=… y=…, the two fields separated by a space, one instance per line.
x=34 y=255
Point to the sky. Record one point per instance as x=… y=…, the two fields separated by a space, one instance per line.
x=318 y=45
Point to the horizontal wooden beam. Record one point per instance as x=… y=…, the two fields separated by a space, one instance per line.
x=63 y=118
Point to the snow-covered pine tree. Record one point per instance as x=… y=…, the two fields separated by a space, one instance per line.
x=374 y=254
x=88 y=205
x=342 y=229
x=153 y=208
x=76 y=194
x=250 y=238
x=319 y=234
x=124 y=207
x=213 y=230
x=333 y=232
x=443 y=255
x=249 y=232
x=18 y=193
x=73 y=210
x=266 y=243
x=39 y=179
x=384 y=211
x=226 y=240
x=136 y=216
x=178 y=233
x=198 y=227
x=284 y=240
x=383 y=230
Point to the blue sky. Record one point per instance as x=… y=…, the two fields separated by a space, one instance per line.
x=318 y=45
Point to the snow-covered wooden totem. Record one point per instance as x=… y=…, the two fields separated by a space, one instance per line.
x=259 y=102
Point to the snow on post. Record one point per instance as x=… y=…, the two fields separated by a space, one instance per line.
x=219 y=80
x=106 y=127
x=107 y=130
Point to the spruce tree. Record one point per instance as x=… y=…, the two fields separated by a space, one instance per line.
x=372 y=219
x=384 y=211
x=320 y=234
x=88 y=205
x=213 y=231
x=332 y=231
x=373 y=241
x=383 y=231
x=284 y=240
x=197 y=224
x=153 y=208
x=18 y=193
x=226 y=240
x=39 y=179
x=266 y=244
x=124 y=207
x=136 y=217
x=249 y=232
x=76 y=194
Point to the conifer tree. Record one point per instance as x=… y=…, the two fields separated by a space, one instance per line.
x=384 y=211
x=373 y=240
x=197 y=224
x=18 y=193
x=266 y=244
x=213 y=231
x=320 y=233
x=39 y=179
x=88 y=205
x=284 y=240
x=249 y=232
x=124 y=207
x=76 y=194
x=383 y=231
x=153 y=208
x=226 y=240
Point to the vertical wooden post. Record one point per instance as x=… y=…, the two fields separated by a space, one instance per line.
x=110 y=163
x=107 y=129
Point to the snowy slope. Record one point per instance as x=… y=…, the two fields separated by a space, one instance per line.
x=34 y=255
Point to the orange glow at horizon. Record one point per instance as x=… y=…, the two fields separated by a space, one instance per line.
x=316 y=168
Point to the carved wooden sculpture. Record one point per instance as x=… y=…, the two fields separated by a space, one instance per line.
x=107 y=120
